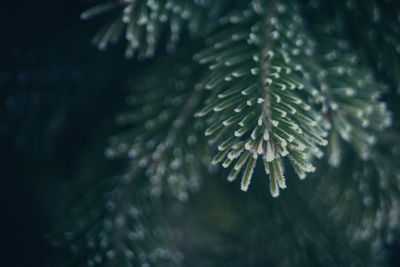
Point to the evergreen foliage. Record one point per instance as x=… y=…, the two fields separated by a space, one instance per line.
x=164 y=136
x=270 y=90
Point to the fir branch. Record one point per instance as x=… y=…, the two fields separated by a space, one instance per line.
x=144 y=22
x=115 y=225
x=162 y=136
x=350 y=100
x=366 y=198
x=258 y=70
x=376 y=28
x=275 y=84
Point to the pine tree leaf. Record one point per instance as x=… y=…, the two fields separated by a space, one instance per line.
x=371 y=189
x=376 y=26
x=162 y=136
x=351 y=96
x=116 y=225
x=258 y=71
x=143 y=23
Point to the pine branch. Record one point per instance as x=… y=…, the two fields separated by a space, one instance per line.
x=365 y=195
x=114 y=224
x=162 y=136
x=350 y=93
x=143 y=22
x=376 y=26
x=276 y=83
x=258 y=70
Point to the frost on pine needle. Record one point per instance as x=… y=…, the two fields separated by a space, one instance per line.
x=162 y=136
x=351 y=104
x=142 y=23
x=259 y=107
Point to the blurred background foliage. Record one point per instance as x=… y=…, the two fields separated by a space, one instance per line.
x=58 y=101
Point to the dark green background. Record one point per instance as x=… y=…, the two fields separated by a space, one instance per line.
x=58 y=99
x=57 y=92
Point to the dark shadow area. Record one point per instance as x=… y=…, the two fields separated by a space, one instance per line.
x=56 y=91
